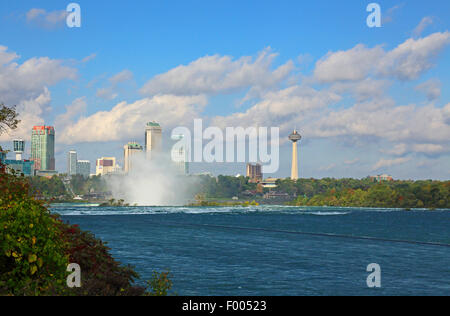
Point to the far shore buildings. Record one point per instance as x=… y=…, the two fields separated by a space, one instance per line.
x=72 y=163
x=130 y=153
x=43 y=148
x=269 y=183
x=382 y=177
x=254 y=172
x=153 y=139
x=84 y=168
x=106 y=165
x=77 y=167
x=18 y=165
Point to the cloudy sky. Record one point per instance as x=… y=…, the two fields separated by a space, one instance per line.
x=366 y=100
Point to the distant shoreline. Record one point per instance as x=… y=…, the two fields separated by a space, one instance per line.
x=97 y=205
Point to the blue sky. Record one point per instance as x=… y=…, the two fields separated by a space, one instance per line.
x=312 y=65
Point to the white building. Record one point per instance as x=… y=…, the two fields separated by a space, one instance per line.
x=130 y=151
x=72 y=163
x=106 y=165
x=153 y=138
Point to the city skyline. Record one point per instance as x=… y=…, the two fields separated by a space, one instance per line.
x=368 y=100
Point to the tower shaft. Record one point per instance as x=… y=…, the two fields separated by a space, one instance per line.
x=294 y=171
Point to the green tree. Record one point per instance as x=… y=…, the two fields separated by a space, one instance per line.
x=8 y=118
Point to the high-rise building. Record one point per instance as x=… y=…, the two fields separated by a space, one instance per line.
x=19 y=148
x=84 y=168
x=153 y=138
x=19 y=166
x=72 y=163
x=106 y=165
x=180 y=155
x=24 y=167
x=130 y=151
x=294 y=138
x=254 y=172
x=43 y=148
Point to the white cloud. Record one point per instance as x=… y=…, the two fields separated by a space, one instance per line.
x=352 y=162
x=89 y=58
x=219 y=74
x=73 y=110
x=388 y=17
x=431 y=88
x=286 y=108
x=328 y=168
x=405 y=62
x=27 y=80
x=413 y=57
x=26 y=85
x=5 y=56
x=363 y=90
x=424 y=23
x=397 y=150
x=386 y=163
x=127 y=121
x=30 y=114
x=122 y=76
x=48 y=20
x=111 y=91
x=353 y=64
x=409 y=128
x=106 y=93
x=430 y=149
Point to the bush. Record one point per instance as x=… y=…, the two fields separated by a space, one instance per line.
x=36 y=248
x=101 y=274
x=32 y=256
x=159 y=285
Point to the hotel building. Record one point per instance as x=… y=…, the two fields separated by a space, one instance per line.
x=130 y=151
x=43 y=148
x=105 y=165
x=153 y=138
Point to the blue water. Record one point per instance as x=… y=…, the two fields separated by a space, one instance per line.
x=211 y=260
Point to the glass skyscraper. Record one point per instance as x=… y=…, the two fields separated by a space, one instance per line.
x=43 y=148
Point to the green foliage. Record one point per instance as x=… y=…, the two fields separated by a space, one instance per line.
x=101 y=274
x=32 y=256
x=8 y=118
x=224 y=186
x=160 y=284
x=36 y=247
x=48 y=188
x=82 y=185
x=366 y=193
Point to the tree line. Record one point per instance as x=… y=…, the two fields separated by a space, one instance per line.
x=368 y=193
